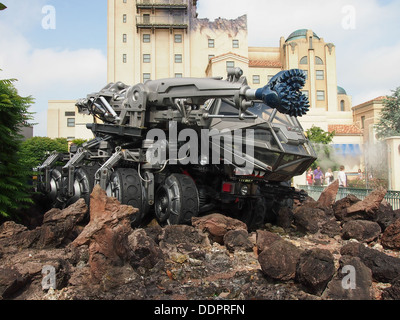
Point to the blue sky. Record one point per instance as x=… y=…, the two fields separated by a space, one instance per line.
x=70 y=61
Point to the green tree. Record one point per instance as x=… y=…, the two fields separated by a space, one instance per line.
x=34 y=151
x=321 y=141
x=389 y=123
x=14 y=188
x=2 y=6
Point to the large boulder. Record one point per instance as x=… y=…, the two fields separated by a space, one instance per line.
x=391 y=236
x=217 y=225
x=106 y=234
x=328 y=196
x=340 y=206
x=366 y=209
x=309 y=220
x=315 y=269
x=279 y=260
x=264 y=239
x=384 y=268
x=361 y=230
x=59 y=228
x=341 y=288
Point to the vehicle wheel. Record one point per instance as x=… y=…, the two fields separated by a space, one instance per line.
x=55 y=189
x=126 y=186
x=177 y=200
x=83 y=186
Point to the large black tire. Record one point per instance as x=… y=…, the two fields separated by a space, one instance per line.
x=126 y=185
x=83 y=185
x=177 y=200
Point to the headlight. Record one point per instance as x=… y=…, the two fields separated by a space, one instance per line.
x=244 y=190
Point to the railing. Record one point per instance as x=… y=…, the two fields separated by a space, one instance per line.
x=177 y=20
x=392 y=197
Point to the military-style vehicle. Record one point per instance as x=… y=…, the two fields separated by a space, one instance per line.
x=177 y=148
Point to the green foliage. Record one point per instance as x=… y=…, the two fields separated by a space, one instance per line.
x=14 y=176
x=2 y=6
x=389 y=123
x=317 y=135
x=35 y=150
x=321 y=140
x=79 y=142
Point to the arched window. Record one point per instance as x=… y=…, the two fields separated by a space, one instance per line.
x=318 y=60
x=304 y=60
x=342 y=105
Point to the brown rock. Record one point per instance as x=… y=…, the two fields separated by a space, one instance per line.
x=340 y=288
x=315 y=269
x=340 y=206
x=238 y=240
x=279 y=260
x=309 y=220
x=369 y=205
x=391 y=236
x=361 y=230
x=265 y=239
x=328 y=196
x=106 y=234
x=217 y=225
x=144 y=252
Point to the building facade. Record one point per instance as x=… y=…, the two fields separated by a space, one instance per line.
x=155 y=39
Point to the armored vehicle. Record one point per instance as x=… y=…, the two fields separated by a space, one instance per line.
x=181 y=147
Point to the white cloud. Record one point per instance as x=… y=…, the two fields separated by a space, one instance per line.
x=49 y=73
x=368 y=57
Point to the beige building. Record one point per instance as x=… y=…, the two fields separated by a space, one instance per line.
x=153 y=39
x=64 y=121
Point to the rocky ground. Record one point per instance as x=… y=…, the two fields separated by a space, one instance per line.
x=320 y=250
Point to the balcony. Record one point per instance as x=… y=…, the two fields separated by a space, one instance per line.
x=162 y=4
x=162 y=22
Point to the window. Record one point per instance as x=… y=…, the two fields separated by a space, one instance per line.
x=71 y=122
x=146 y=38
x=304 y=60
x=124 y=38
x=235 y=43
x=124 y=18
x=124 y=58
x=146 y=76
x=146 y=18
x=230 y=64
x=124 y=1
x=211 y=43
x=321 y=95
x=318 y=61
x=306 y=94
x=256 y=79
x=269 y=77
x=146 y=58
x=342 y=108
x=210 y=56
x=178 y=75
x=178 y=38
x=306 y=73
x=178 y=58
x=320 y=75
x=70 y=113
x=362 y=122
